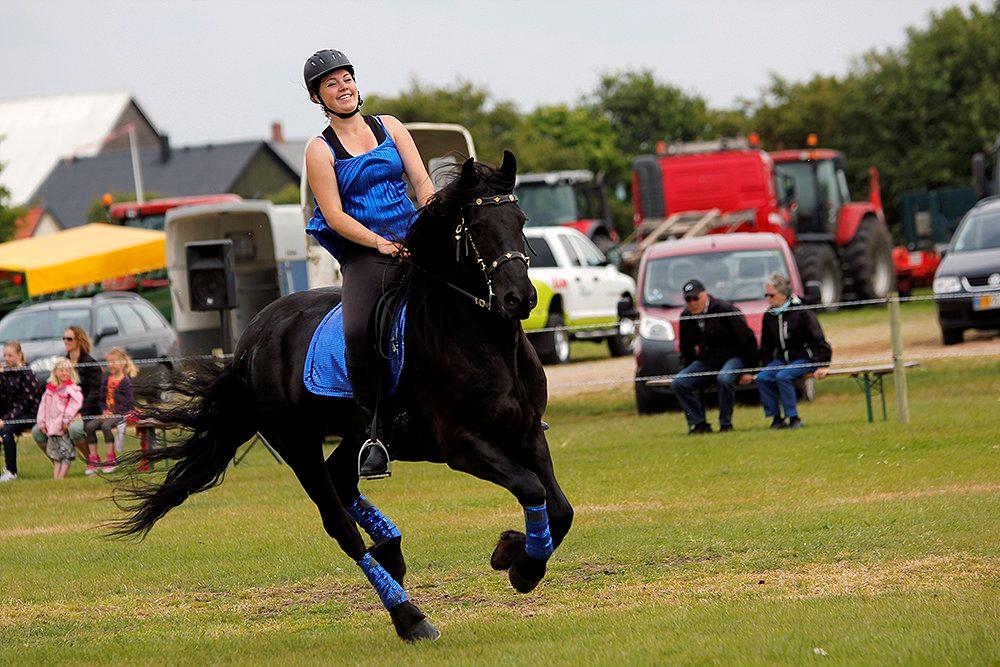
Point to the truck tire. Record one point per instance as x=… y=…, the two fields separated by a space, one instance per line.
x=868 y=260
x=818 y=263
x=952 y=336
x=555 y=344
x=649 y=402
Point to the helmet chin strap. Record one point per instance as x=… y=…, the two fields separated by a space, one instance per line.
x=356 y=111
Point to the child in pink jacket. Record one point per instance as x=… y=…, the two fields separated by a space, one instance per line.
x=60 y=405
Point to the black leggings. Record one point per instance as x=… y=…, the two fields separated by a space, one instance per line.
x=107 y=425
x=366 y=272
x=9 y=436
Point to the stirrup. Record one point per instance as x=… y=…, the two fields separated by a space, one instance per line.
x=374 y=442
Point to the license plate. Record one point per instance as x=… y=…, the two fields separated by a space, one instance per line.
x=986 y=302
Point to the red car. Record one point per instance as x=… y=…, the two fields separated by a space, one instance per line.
x=733 y=267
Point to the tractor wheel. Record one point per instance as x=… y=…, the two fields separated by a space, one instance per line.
x=868 y=260
x=818 y=263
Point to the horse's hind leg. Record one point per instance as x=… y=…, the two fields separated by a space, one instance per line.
x=386 y=540
x=305 y=459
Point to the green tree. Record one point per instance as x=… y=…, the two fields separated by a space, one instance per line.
x=8 y=214
x=286 y=195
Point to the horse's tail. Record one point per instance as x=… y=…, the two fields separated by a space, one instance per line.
x=214 y=407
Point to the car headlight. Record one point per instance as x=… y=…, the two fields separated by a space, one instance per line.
x=947 y=285
x=654 y=328
x=44 y=364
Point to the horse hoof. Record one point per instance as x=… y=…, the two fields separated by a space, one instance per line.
x=421 y=631
x=509 y=547
x=525 y=582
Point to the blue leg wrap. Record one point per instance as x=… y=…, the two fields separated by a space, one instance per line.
x=376 y=524
x=389 y=592
x=536 y=528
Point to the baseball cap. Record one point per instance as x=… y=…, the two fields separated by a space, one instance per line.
x=693 y=287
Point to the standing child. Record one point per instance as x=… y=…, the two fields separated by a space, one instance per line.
x=116 y=399
x=60 y=405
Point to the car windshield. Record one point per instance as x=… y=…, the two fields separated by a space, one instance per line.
x=42 y=324
x=155 y=221
x=737 y=275
x=979 y=232
x=547 y=205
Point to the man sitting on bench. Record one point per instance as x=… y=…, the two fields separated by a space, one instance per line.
x=714 y=346
x=792 y=345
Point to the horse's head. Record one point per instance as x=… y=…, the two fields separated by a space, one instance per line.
x=488 y=238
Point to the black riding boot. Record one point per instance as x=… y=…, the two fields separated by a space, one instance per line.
x=373 y=458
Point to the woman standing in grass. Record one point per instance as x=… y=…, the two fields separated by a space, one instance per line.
x=116 y=399
x=19 y=397
x=60 y=405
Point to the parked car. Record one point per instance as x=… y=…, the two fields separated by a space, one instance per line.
x=577 y=287
x=733 y=267
x=111 y=319
x=968 y=278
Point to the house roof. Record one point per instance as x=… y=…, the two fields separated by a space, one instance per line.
x=37 y=131
x=24 y=227
x=292 y=152
x=73 y=185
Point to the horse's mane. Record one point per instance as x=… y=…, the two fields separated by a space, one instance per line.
x=432 y=247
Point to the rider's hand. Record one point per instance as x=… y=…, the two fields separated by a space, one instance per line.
x=820 y=373
x=746 y=378
x=387 y=247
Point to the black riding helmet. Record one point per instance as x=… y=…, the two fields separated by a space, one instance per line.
x=319 y=65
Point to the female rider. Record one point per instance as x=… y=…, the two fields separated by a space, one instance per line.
x=356 y=172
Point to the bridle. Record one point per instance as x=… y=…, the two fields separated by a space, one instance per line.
x=464 y=240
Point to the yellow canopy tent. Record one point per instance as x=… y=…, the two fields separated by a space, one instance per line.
x=83 y=255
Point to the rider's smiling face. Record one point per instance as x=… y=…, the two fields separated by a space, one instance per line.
x=339 y=91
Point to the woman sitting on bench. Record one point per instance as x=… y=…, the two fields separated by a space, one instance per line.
x=792 y=345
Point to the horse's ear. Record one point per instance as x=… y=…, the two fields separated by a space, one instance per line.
x=469 y=177
x=509 y=165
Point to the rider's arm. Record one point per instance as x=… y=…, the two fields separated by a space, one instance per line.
x=323 y=181
x=412 y=164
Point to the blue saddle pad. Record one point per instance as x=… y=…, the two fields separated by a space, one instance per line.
x=325 y=372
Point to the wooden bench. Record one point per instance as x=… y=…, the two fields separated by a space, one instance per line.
x=869 y=379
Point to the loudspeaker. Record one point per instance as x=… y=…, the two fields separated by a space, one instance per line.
x=211 y=273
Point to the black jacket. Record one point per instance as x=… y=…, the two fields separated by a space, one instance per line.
x=18 y=394
x=90 y=385
x=793 y=335
x=721 y=339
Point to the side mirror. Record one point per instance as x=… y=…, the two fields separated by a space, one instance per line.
x=105 y=332
x=627 y=310
x=813 y=293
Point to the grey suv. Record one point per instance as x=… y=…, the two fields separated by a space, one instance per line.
x=111 y=319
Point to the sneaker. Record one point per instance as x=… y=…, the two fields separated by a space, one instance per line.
x=7 y=476
x=726 y=428
x=110 y=463
x=93 y=463
x=698 y=429
x=778 y=423
x=794 y=422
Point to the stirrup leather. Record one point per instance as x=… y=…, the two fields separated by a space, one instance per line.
x=374 y=442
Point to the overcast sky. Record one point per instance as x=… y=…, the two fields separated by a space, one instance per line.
x=214 y=70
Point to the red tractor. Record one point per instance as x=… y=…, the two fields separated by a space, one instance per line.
x=843 y=248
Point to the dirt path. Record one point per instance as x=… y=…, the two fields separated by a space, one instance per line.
x=851 y=343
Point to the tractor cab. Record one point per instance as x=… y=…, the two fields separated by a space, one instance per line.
x=570 y=198
x=819 y=189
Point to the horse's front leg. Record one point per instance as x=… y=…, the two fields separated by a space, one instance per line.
x=524 y=557
x=511 y=544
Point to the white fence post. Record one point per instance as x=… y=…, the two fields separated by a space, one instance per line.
x=899 y=372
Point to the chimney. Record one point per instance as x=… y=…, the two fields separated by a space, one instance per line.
x=164 y=148
x=276 y=135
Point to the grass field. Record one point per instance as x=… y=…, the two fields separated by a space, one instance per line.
x=844 y=543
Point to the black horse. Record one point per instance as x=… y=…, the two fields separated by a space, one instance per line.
x=473 y=390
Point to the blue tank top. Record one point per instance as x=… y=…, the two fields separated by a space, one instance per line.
x=372 y=192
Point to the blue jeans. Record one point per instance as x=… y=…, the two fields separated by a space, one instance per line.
x=780 y=384
x=686 y=387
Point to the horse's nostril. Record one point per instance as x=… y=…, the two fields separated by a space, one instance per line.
x=511 y=300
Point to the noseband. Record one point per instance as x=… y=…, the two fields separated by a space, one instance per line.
x=463 y=239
